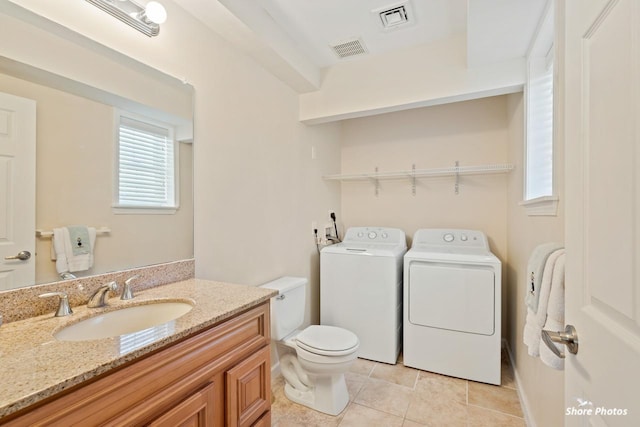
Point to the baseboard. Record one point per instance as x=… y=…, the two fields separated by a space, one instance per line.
x=521 y=394
x=275 y=370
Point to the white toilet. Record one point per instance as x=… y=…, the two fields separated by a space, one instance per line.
x=314 y=373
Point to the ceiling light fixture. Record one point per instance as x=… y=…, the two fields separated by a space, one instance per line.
x=147 y=19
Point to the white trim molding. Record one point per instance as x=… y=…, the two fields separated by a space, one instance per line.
x=541 y=206
x=524 y=401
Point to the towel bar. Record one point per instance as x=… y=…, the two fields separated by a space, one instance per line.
x=49 y=234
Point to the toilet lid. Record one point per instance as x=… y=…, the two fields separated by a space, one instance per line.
x=327 y=340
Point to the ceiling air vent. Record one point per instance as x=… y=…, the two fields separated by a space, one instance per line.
x=348 y=48
x=392 y=17
x=395 y=16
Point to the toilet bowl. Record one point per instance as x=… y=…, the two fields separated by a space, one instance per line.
x=313 y=360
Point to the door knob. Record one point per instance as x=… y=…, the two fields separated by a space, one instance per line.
x=569 y=338
x=22 y=256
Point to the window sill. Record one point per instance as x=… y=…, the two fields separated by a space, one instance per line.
x=123 y=210
x=541 y=206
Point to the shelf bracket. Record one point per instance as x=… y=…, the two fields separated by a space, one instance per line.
x=457 y=185
x=376 y=182
x=413 y=179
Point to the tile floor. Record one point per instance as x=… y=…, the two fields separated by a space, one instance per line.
x=394 y=395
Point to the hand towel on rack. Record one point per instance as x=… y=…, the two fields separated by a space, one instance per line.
x=535 y=268
x=73 y=248
x=555 y=315
x=535 y=320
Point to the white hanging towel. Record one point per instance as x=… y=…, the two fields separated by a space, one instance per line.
x=555 y=315
x=535 y=320
x=535 y=268
x=73 y=248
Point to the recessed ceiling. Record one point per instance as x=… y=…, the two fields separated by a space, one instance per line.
x=294 y=39
x=317 y=25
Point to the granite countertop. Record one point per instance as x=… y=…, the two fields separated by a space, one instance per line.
x=34 y=365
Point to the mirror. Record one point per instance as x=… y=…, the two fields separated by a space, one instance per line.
x=75 y=165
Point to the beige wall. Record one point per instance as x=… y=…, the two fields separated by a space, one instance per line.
x=472 y=132
x=74 y=185
x=257 y=188
x=542 y=387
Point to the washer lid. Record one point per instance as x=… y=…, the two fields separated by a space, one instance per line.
x=327 y=340
x=365 y=249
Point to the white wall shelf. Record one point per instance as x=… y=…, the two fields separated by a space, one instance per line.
x=413 y=174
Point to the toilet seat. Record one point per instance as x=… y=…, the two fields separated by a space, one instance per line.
x=327 y=341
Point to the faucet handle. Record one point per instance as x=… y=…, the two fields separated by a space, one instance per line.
x=127 y=289
x=63 y=307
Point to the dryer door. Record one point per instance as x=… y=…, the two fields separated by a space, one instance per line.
x=453 y=296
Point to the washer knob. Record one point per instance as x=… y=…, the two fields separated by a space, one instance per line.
x=464 y=237
x=373 y=235
x=448 y=237
x=384 y=235
x=360 y=234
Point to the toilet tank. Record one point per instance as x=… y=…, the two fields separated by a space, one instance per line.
x=287 y=308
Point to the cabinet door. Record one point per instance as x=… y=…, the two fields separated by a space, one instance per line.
x=249 y=389
x=194 y=411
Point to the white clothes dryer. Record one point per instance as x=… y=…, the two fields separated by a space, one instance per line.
x=452 y=305
x=361 y=289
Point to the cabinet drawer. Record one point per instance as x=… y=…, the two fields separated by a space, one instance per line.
x=196 y=410
x=164 y=378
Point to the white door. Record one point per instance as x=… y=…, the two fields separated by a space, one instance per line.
x=17 y=191
x=602 y=142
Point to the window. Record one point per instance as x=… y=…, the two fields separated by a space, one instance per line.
x=539 y=198
x=539 y=166
x=146 y=166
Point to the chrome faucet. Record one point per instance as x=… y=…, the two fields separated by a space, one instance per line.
x=63 y=307
x=99 y=297
x=127 y=290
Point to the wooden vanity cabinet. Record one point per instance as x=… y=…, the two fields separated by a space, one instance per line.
x=218 y=377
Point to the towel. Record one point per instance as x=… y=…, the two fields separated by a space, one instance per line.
x=535 y=268
x=535 y=320
x=72 y=248
x=555 y=315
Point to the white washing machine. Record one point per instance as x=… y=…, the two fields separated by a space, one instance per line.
x=452 y=305
x=361 y=289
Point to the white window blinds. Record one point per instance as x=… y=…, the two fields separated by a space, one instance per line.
x=539 y=175
x=146 y=166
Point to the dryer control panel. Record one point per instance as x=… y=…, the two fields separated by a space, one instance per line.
x=451 y=238
x=374 y=235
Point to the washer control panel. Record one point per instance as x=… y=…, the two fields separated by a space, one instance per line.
x=450 y=238
x=375 y=235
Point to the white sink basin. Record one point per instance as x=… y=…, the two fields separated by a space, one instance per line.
x=124 y=321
